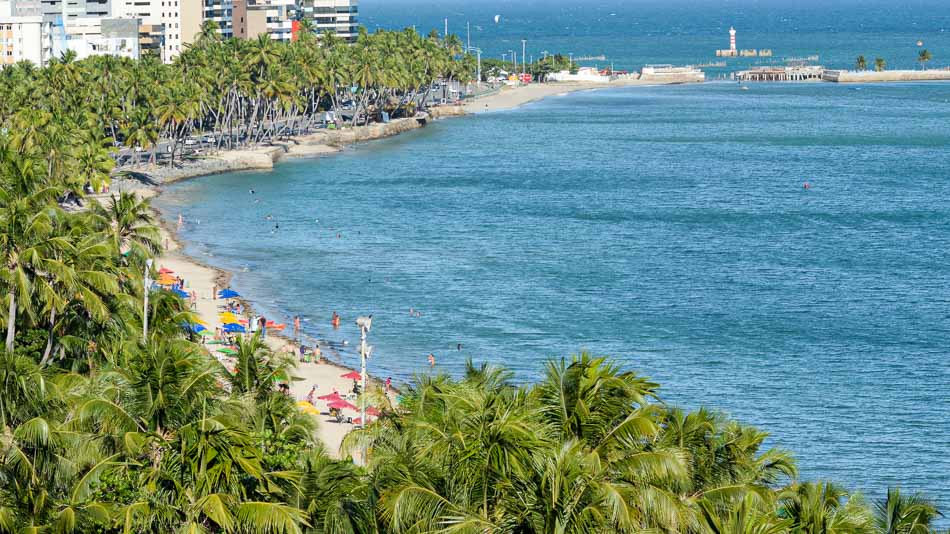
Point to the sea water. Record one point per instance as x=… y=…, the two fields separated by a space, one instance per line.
x=668 y=227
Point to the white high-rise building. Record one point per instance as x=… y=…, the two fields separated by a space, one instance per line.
x=337 y=16
x=24 y=35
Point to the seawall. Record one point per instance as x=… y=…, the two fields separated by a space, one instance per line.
x=848 y=76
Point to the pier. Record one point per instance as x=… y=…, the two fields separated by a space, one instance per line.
x=782 y=74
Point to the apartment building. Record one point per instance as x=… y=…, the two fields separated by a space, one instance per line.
x=337 y=16
x=24 y=39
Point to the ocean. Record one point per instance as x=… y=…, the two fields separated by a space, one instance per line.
x=667 y=227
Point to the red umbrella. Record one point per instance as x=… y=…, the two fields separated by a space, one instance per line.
x=341 y=405
x=372 y=411
x=352 y=375
x=331 y=397
x=165 y=270
x=357 y=421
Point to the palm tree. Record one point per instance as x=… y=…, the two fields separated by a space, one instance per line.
x=861 y=63
x=879 y=64
x=128 y=222
x=903 y=514
x=923 y=57
x=824 y=508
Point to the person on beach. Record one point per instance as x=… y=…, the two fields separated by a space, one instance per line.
x=296 y=326
x=214 y=292
x=194 y=299
x=317 y=355
x=263 y=322
x=389 y=384
x=431 y=360
x=312 y=394
x=303 y=354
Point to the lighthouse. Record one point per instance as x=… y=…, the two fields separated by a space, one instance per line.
x=732 y=39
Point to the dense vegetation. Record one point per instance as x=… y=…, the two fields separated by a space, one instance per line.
x=243 y=91
x=105 y=430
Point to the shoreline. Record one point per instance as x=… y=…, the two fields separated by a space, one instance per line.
x=203 y=278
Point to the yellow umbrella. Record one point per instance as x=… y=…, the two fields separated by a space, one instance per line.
x=228 y=317
x=306 y=407
x=199 y=321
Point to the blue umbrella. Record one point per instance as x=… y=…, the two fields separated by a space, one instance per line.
x=228 y=294
x=180 y=293
x=233 y=328
x=193 y=327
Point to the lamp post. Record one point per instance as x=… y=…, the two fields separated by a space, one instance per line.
x=478 y=69
x=523 y=66
x=146 y=283
x=364 y=323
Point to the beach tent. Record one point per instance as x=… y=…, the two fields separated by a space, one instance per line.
x=228 y=294
x=352 y=375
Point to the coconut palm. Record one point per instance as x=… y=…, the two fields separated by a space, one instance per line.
x=904 y=514
x=861 y=63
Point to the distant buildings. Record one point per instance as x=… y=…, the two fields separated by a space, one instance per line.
x=38 y=30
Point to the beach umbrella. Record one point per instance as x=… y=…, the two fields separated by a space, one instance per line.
x=372 y=411
x=308 y=408
x=341 y=405
x=199 y=321
x=358 y=421
x=228 y=294
x=227 y=351
x=180 y=293
x=331 y=397
x=352 y=375
x=232 y=328
x=205 y=332
x=165 y=270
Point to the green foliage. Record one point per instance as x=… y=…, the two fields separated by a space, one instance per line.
x=103 y=430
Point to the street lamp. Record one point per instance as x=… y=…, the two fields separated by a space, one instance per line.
x=523 y=43
x=146 y=283
x=364 y=323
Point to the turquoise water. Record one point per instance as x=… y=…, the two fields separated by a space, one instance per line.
x=666 y=226
x=634 y=33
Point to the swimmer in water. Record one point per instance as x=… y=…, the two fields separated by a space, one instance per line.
x=251 y=191
x=806 y=186
x=181 y=219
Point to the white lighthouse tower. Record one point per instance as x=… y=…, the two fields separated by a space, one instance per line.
x=732 y=39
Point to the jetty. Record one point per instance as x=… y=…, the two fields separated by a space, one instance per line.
x=866 y=76
x=799 y=73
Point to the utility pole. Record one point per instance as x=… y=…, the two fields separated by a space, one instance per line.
x=146 y=285
x=446 y=34
x=523 y=66
x=468 y=35
x=364 y=323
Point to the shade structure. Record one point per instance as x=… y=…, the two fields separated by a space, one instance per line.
x=308 y=408
x=331 y=397
x=232 y=328
x=165 y=270
x=340 y=405
x=228 y=294
x=352 y=375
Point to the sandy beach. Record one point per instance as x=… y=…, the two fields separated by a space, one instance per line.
x=204 y=280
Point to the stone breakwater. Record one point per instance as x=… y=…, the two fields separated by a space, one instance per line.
x=264 y=157
x=847 y=76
